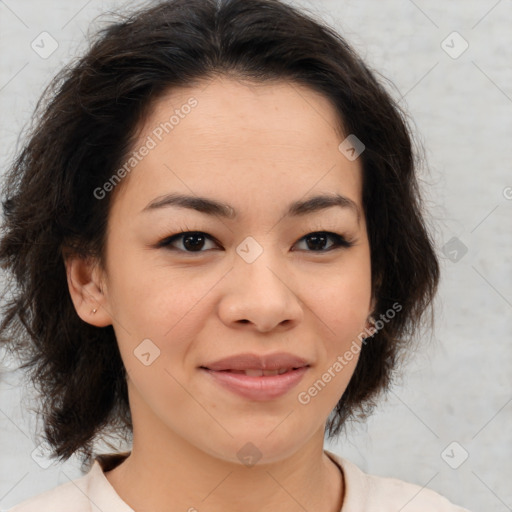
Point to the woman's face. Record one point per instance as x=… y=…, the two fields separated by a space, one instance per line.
x=258 y=279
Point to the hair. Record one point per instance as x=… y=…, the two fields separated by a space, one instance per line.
x=85 y=125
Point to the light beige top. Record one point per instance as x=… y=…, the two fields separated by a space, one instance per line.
x=363 y=493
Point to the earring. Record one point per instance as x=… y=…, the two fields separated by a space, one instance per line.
x=94 y=311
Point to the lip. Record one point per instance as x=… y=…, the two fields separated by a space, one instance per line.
x=266 y=387
x=260 y=388
x=250 y=361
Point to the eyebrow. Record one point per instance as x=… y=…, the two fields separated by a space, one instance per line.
x=217 y=208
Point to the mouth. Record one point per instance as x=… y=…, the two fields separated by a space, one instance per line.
x=257 y=384
x=256 y=372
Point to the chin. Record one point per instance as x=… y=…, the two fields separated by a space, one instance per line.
x=258 y=446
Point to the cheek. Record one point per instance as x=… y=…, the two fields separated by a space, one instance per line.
x=341 y=302
x=341 y=295
x=146 y=297
x=344 y=305
x=165 y=306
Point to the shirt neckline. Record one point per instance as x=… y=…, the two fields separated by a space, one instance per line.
x=105 y=497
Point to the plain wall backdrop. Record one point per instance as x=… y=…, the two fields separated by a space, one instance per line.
x=447 y=423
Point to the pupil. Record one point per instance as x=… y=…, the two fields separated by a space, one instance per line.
x=196 y=241
x=318 y=241
x=188 y=241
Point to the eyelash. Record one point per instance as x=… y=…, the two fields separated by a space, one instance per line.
x=339 y=241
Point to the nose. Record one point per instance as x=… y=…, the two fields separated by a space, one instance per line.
x=260 y=296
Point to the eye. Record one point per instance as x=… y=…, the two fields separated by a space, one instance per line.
x=194 y=241
x=317 y=241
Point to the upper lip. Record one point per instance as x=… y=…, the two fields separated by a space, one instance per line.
x=257 y=362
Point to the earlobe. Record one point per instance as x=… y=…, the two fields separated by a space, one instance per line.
x=372 y=305
x=370 y=319
x=87 y=290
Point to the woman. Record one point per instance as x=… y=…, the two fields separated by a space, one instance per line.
x=217 y=250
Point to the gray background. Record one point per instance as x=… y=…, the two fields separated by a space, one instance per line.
x=458 y=387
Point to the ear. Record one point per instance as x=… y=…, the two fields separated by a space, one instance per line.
x=375 y=290
x=371 y=319
x=88 y=290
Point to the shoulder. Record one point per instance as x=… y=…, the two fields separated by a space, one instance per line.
x=372 y=493
x=63 y=498
x=408 y=497
x=90 y=493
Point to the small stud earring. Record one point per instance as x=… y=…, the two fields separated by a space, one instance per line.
x=94 y=311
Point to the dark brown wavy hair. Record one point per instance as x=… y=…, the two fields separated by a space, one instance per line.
x=84 y=126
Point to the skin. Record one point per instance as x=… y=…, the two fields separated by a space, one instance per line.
x=257 y=147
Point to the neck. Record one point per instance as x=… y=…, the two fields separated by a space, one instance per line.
x=181 y=478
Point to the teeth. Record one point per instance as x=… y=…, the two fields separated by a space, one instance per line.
x=260 y=373
x=254 y=373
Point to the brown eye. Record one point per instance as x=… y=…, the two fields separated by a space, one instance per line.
x=195 y=241
x=190 y=241
x=317 y=241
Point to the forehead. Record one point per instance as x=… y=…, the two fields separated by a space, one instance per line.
x=224 y=137
x=228 y=107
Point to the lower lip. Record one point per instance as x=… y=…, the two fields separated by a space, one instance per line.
x=266 y=387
